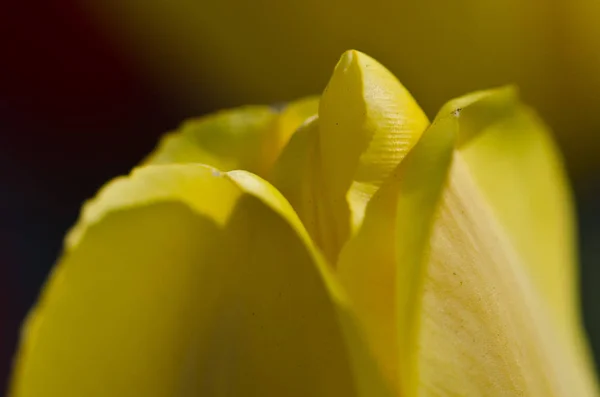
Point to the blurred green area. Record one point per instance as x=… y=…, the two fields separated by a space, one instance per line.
x=266 y=51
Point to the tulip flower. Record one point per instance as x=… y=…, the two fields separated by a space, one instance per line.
x=341 y=246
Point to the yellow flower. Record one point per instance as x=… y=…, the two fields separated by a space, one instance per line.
x=361 y=252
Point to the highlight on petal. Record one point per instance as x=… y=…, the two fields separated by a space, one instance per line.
x=486 y=327
x=182 y=280
x=367 y=123
x=249 y=138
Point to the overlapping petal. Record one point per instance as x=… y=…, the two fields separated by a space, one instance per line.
x=487 y=324
x=408 y=231
x=382 y=266
x=182 y=280
x=408 y=259
x=516 y=165
x=367 y=123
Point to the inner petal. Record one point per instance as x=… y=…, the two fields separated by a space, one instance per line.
x=332 y=167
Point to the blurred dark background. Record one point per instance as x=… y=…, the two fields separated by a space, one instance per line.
x=73 y=113
x=87 y=88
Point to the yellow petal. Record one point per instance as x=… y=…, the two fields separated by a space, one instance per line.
x=367 y=123
x=181 y=280
x=382 y=265
x=485 y=329
x=249 y=138
x=487 y=324
x=516 y=165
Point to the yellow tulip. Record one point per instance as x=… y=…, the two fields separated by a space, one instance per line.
x=360 y=252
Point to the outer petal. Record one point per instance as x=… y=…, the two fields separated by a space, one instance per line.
x=488 y=325
x=519 y=171
x=181 y=280
x=249 y=138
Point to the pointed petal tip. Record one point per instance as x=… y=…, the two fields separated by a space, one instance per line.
x=356 y=57
x=357 y=61
x=347 y=74
x=347 y=59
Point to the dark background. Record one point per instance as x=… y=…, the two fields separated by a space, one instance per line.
x=74 y=112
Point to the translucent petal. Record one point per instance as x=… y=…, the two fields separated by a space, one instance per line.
x=489 y=324
x=516 y=165
x=486 y=328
